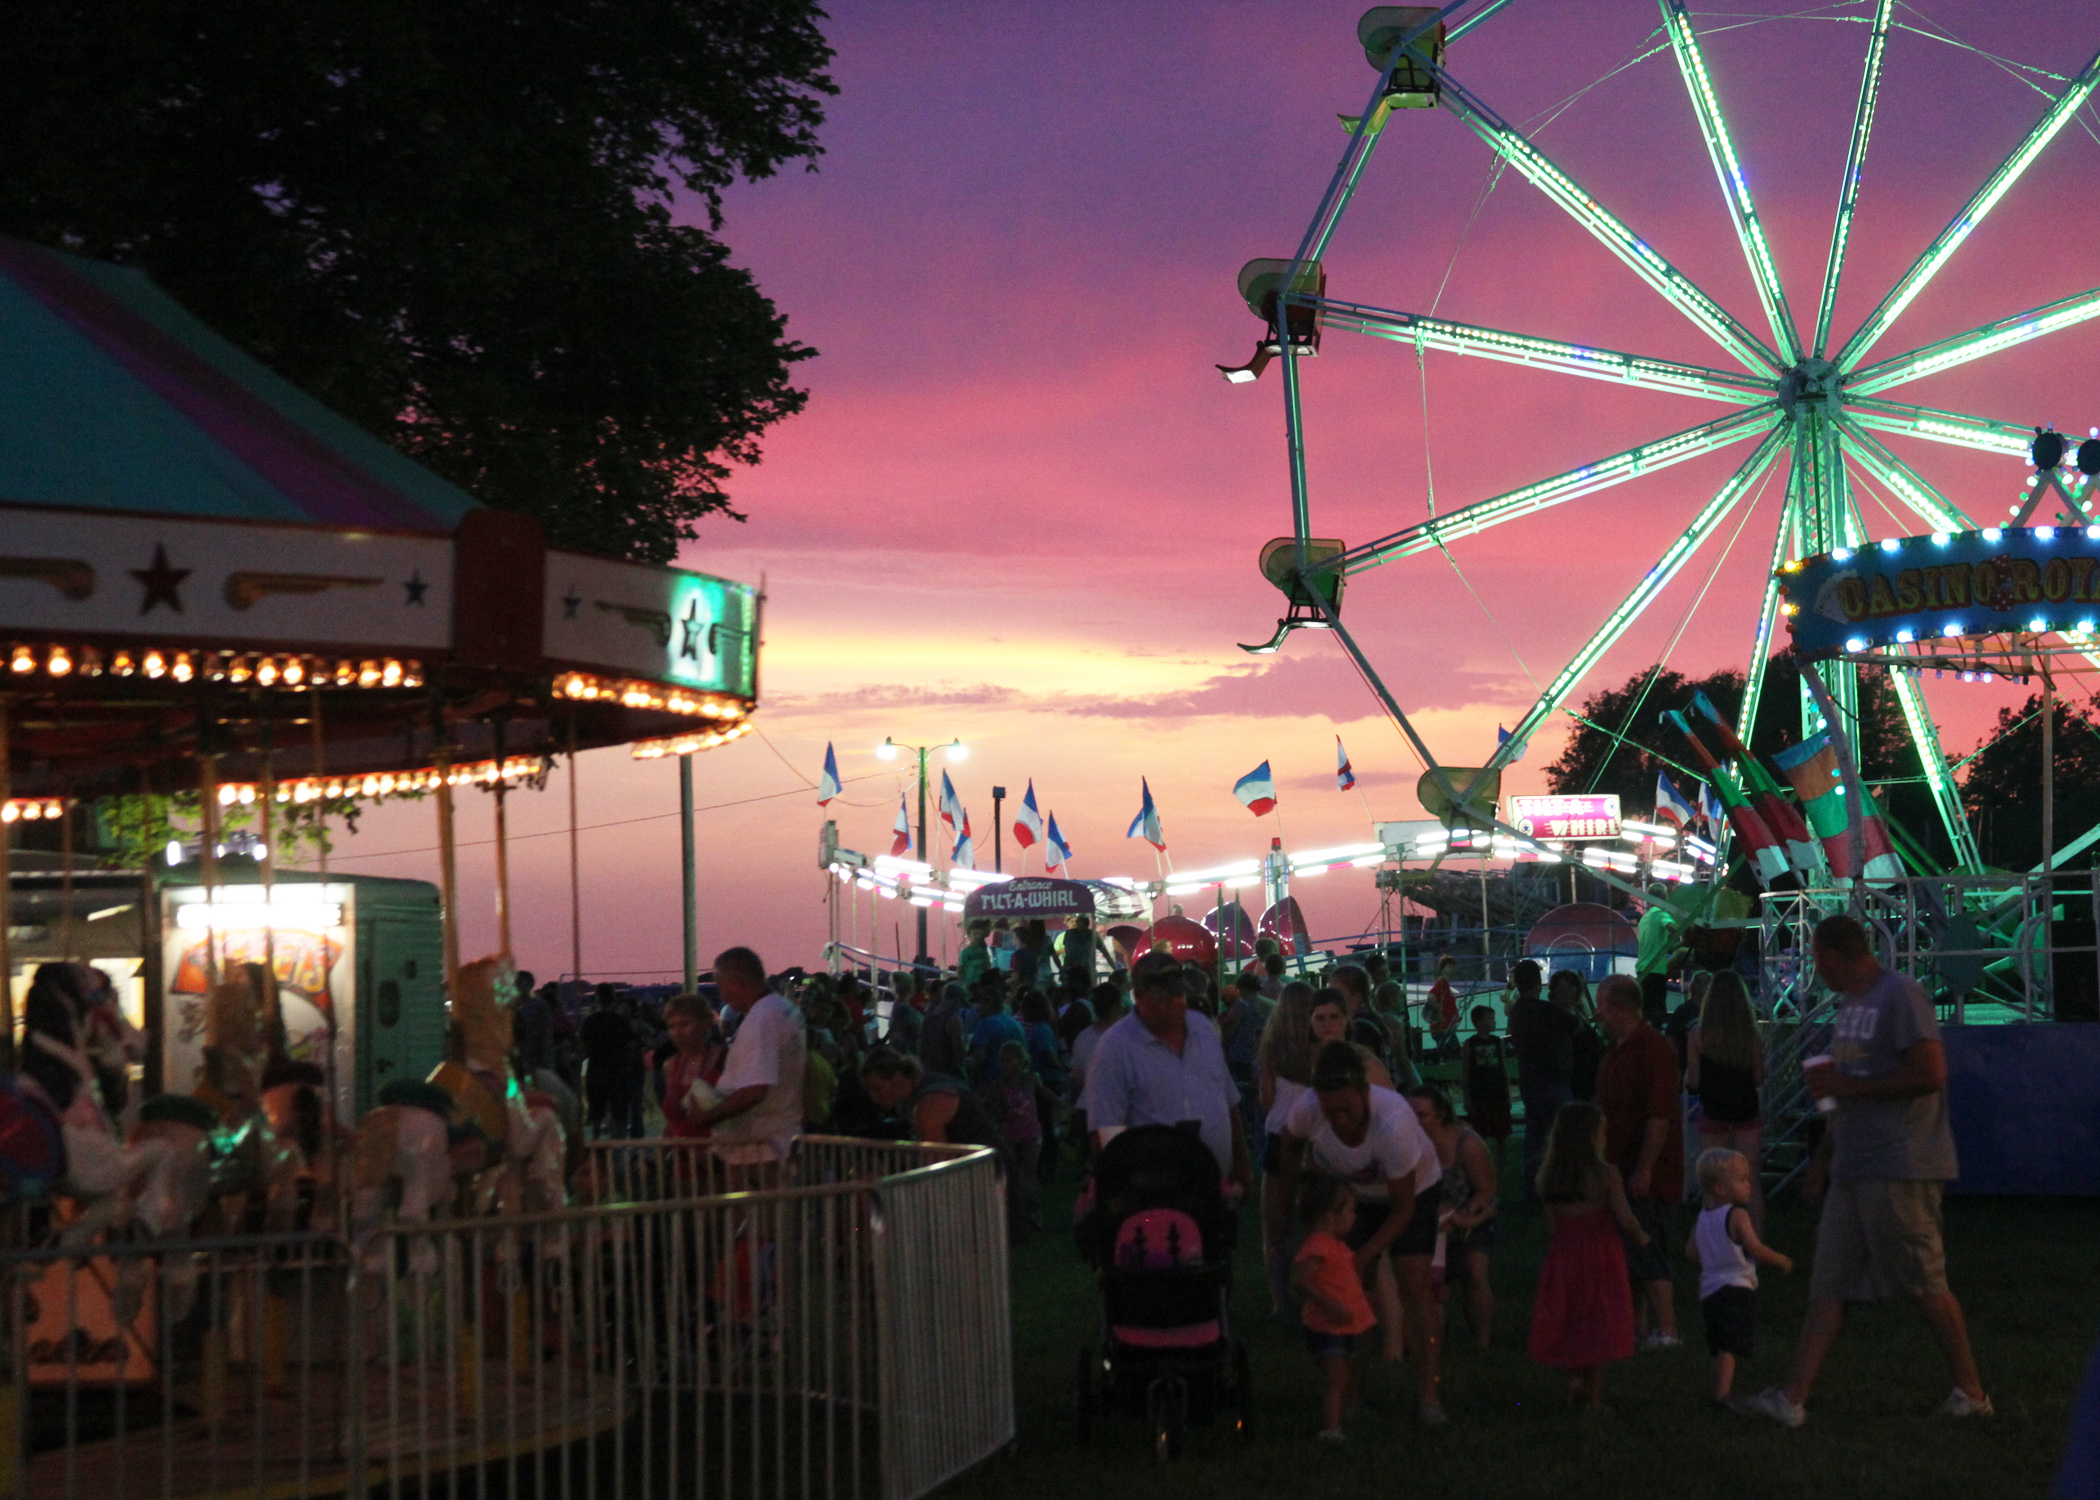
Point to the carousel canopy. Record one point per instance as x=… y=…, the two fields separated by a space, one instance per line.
x=198 y=559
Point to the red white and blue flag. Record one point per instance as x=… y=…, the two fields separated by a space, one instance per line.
x=1502 y=739
x=901 y=844
x=1710 y=813
x=964 y=854
x=1672 y=806
x=828 y=783
x=1057 y=854
x=1146 y=824
x=1028 y=823
x=1344 y=776
x=1257 y=789
x=951 y=805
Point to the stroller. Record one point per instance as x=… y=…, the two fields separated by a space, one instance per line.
x=1159 y=1234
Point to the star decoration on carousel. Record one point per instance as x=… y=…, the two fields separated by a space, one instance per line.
x=570 y=603
x=689 y=646
x=162 y=581
x=417 y=587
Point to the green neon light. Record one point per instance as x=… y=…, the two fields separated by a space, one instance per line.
x=1946 y=797
x=1953 y=427
x=1606 y=472
x=1767 y=618
x=1855 y=159
x=1630 y=609
x=2005 y=333
x=1994 y=188
x=1677 y=289
x=1911 y=487
x=1691 y=62
x=1524 y=349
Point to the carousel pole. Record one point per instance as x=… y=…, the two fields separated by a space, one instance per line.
x=7 y=904
x=502 y=849
x=65 y=878
x=575 y=872
x=689 y=901
x=448 y=872
x=208 y=854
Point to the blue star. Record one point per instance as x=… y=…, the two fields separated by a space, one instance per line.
x=416 y=587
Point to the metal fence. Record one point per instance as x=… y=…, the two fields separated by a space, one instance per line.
x=836 y=1328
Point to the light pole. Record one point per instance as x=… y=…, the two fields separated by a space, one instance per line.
x=889 y=749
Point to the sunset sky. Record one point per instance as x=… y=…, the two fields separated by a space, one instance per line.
x=1022 y=507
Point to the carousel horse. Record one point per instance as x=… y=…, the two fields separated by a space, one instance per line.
x=524 y=1166
x=401 y=1168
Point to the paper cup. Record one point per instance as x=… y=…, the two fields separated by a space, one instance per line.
x=1825 y=1104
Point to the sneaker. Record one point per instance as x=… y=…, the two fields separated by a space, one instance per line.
x=1332 y=1435
x=1961 y=1404
x=1652 y=1342
x=1433 y=1415
x=1774 y=1404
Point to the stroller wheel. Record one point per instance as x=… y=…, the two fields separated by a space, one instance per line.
x=1168 y=1406
x=1242 y=1391
x=1084 y=1410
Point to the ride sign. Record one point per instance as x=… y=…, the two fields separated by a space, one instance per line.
x=1586 y=817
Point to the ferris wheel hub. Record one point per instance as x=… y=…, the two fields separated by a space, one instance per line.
x=1811 y=382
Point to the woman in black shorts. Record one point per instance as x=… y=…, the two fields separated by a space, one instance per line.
x=1370 y=1139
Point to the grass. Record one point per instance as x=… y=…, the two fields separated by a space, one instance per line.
x=2022 y=1268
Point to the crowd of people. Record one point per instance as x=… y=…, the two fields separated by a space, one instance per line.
x=1379 y=1193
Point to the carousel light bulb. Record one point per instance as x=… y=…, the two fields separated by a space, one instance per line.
x=390 y=674
x=412 y=677
x=89 y=662
x=345 y=674
x=58 y=664
x=266 y=672
x=294 y=672
x=24 y=659
x=32 y=810
x=367 y=673
x=240 y=671
x=121 y=664
x=155 y=664
x=184 y=668
x=173 y=853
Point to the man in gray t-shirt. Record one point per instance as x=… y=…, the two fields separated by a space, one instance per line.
x=1888 y=1150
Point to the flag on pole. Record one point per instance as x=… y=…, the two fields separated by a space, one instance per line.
x=901 y=844
x=828 y=783
x=951 y=805
x=964 y=855
x=1257 y=789
x=1502 y=738
x=1057 y=854
x=1709 y=811
x=1146 y=824
x=1780 y=815
x=1344 y=777
x=1670 y=804
x=1028 y=823
x=1812 y=767
x=1766 y=855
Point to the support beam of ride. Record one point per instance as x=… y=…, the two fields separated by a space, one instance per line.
x=1909 y=486
x=1855 y=159
x=1600 y=475
x=1524 y=349
x=1924 y=733
x=1995 y=187
x=1677 y=289
x=1935 y=426
x=1767 y=618
x=1644 y=593
x=1728 y=169
x=1975 y=344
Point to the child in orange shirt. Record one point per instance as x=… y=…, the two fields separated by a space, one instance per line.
x=1336 y=1309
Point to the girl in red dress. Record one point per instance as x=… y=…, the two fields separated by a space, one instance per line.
x=1582 y=1318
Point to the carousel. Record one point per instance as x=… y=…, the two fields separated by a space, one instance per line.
x=210 y=584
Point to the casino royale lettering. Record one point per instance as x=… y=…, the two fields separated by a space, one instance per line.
x=1998 y=583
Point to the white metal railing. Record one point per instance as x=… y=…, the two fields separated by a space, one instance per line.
x=682 y=1333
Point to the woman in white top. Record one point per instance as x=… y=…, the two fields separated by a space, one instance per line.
x=1369 y=1138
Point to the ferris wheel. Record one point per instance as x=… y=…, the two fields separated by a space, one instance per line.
x=1792 y=387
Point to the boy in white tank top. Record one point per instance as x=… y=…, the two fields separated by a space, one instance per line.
x=1725 y=1247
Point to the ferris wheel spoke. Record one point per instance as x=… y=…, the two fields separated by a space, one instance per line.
x=1677 y=289
x=1767 y=618
x=1652 y=584
x=1524 y=349
x=1972 y=213
x=1720 y=146
x=1908 y=485
x=1936 y=426
x=1855 y=159
x=2006 y=333
x=1600 y=475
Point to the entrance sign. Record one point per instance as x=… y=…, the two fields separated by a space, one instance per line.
x=1586 y=817
x=2001 y=579
x=1030 y=898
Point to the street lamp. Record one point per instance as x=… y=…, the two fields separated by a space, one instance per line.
x=889 y=749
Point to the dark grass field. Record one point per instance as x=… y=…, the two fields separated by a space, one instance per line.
x=2024 y=1269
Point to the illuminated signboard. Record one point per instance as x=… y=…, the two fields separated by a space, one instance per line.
x=663 y=624
x=1588 y=817
x=1950 y=584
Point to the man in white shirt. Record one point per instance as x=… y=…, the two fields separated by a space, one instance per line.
x=761 y=1110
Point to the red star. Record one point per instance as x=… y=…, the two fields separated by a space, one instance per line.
x=161 y=581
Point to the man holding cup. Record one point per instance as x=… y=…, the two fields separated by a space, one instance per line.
x=1881 y=1165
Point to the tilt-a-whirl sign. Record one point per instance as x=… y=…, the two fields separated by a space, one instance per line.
x=1907 y=590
